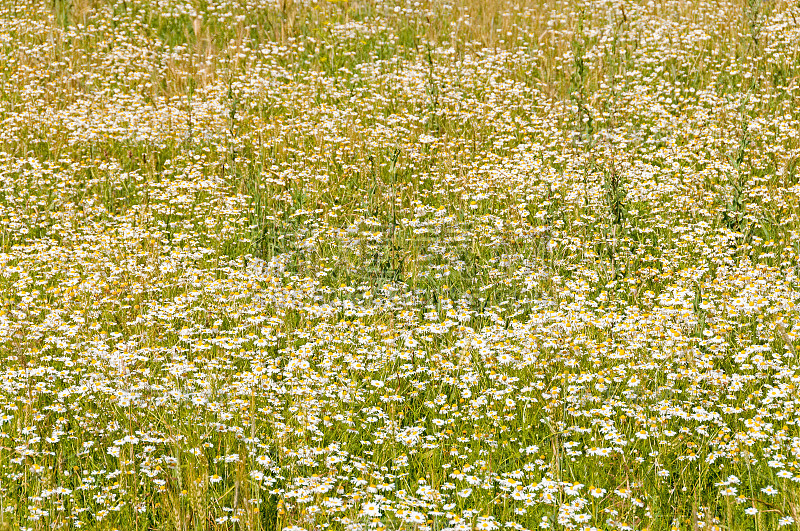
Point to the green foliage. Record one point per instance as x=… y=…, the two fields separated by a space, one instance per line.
x=364 y=265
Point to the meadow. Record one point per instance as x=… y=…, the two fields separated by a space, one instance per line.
x=399 y=265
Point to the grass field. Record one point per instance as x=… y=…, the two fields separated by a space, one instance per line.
x=431 y=265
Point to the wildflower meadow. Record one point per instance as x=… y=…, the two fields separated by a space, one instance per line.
x=399 y=265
